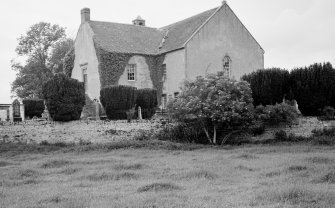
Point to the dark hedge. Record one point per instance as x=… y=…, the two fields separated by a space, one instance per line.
x=33 y=107
x=117 y=100
x=268 y=86
x=65 y=98
x=147 y=100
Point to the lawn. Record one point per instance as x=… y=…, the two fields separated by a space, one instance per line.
x=270 y=176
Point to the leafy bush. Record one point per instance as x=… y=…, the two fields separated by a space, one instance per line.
x=276 y=114
x=214 y=102
x=118 y=100
x=147 y=100
x=64 y=97
x=328 y=113
x=190 y=132
x=33 y=107
x=281 y=136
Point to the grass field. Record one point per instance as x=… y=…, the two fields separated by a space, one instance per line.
x=266 y=176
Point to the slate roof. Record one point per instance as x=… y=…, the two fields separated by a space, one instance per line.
x=127 y=38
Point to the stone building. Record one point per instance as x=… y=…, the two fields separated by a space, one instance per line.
x=12 y=112
x=108 y=53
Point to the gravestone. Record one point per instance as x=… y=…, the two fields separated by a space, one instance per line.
x=16 y=111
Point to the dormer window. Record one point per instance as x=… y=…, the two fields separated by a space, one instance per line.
x=227 y=66
x=131 y=70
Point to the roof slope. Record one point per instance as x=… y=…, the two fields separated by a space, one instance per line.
x=127 y=38
x=179 y=32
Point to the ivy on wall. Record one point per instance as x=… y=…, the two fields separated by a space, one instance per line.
x=112 y=65
x=68 y=62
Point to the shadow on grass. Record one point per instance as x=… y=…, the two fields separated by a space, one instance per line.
x=96 y=177
x=122 y=166
x=200 y=174
x=56 y=164
x=156 y=187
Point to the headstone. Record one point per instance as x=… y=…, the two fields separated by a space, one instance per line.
x=139 y=113
x=45 y=114
x=16 y=111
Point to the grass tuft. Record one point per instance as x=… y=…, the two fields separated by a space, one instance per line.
x=298 y=196
x=296 y=168
x=242 y=167
x=56 y=164
x=122 y=166
x=320 y=160
x=69 y=171
x=108 y=177
x=24 y=174
x=273 y=174
x=326 y=178
x=246 y=156
x=200 y=174
x=4 y=163
x=159 y=187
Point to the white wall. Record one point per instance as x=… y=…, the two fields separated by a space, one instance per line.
x=142 y=74
x=175 y=71
x=223 y=35
x=85 y=53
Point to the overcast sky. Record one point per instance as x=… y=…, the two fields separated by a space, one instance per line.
x=292 y=32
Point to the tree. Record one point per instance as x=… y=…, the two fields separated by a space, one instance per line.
x=58 y=54
x=42 y=47
x=214 y=101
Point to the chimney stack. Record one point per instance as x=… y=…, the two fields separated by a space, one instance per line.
x=85 y=15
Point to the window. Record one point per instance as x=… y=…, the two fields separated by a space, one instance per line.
x=227 y=65
x=131 y=69
x=164 y=72
x=85 y=77
x=176 y=94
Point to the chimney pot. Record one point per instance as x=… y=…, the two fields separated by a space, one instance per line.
x=85 y=15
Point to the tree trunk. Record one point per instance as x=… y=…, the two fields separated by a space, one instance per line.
x=214 y=136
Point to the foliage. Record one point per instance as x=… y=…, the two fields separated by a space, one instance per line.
x=33 y=107
x=65 y=98
x=112 y=65
x=276 y=114
x=328 y=113
x=40 y=47
x=269 y=86
x=147 y=100
x=117 y=100
x=68 y=62
x=61 y=50
x=215 y=100
x=190 y=132
x=313 y=87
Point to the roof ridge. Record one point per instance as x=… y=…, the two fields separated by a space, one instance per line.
x=184 y=20
x=126 y=24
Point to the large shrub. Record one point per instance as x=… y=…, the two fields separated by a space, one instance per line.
x=147 y=100
x=276 y=114
x=216 y=102
x=117 y=100
x=64 y=97
x=33 y=107
x=313 y=87
x=269 y=86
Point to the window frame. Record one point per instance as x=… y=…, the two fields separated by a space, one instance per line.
x=131 y=75
x=226 y=64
